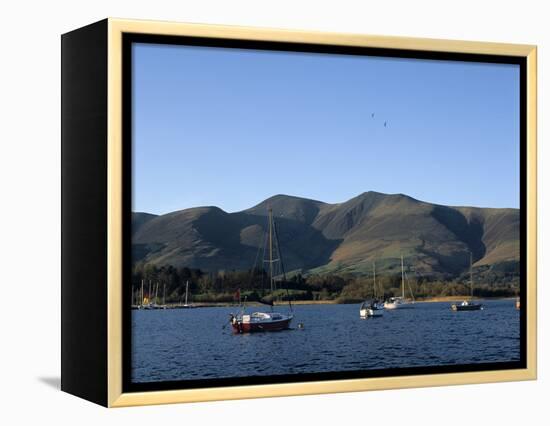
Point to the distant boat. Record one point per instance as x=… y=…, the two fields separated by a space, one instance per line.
x=518 y=303
x=468 y=305
x=265 y=321
x=394 y=303
x=147 y=305
x=136 y=302
x=372 y=307
x=151 y=302
x=187 y=305
x=146 y=300
x=139 y=304
x=399 y=302
x=155 y=304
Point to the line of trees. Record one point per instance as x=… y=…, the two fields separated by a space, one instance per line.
x=222 y=286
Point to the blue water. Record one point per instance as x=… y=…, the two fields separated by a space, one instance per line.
x=188 y=344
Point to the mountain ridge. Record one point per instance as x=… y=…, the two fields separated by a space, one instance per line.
x=347 y=237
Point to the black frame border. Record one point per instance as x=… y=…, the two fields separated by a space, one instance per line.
x=129 y=38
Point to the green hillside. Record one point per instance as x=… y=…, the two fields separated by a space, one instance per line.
x=321 y=238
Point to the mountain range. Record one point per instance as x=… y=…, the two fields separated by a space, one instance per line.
x=318 y=237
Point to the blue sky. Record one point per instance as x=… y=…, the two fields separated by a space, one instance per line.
x=230 y=127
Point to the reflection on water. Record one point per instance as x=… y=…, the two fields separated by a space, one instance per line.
x=184 y=344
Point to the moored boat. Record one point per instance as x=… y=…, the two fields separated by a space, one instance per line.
x=371 y=308
x=156 y=304
x=260 y=321
x=399 y=301
x=187 y=305
x=394 y=303
x=265 y=321
x=468 y=305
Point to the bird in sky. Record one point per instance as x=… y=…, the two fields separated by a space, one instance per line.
x=372 y=115
x=385 y=124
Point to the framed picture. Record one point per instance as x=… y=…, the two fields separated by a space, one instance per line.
x=253 y=212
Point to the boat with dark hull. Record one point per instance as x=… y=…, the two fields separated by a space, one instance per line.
x=468 y=305
x=266 y=321
x=260 y=321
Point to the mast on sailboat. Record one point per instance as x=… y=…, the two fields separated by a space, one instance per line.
x=402 y=279
x=469 y=305
x=186 y=291
x=471 y=279
x=265 y=321
x=374 y=280
x=274 y=256
x=271 y=281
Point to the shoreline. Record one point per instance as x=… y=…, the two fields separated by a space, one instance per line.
x=320 y=302
x=460 y=299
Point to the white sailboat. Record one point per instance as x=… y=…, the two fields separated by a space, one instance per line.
x=156 y=304
x=399 y=301
x=186 y=305
x=138 y=304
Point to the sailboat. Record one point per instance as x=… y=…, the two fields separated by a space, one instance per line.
x=468 y=305
x=146 y=300
x=187 y=305
x=372 y=307
x=399 y=301
x=156 y=304
x=141 y=299
x=265 y=321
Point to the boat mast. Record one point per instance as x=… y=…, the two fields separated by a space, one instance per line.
x=271 y=249
x=280 y=260
x=402 y=279
x=186 y=290
x=471 y=279
x=164 y=293
x=141 y=301
x=373 y=280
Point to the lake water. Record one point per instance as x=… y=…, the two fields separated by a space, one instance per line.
x=189 y=344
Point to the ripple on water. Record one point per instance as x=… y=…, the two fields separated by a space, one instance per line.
x=180 y=345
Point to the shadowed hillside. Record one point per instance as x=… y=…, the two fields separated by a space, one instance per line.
x=138 y=219
x=317 y=237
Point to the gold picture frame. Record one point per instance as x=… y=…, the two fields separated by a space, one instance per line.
x=112 y=393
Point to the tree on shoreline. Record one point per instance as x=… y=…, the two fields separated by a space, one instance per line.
x=220 y=286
